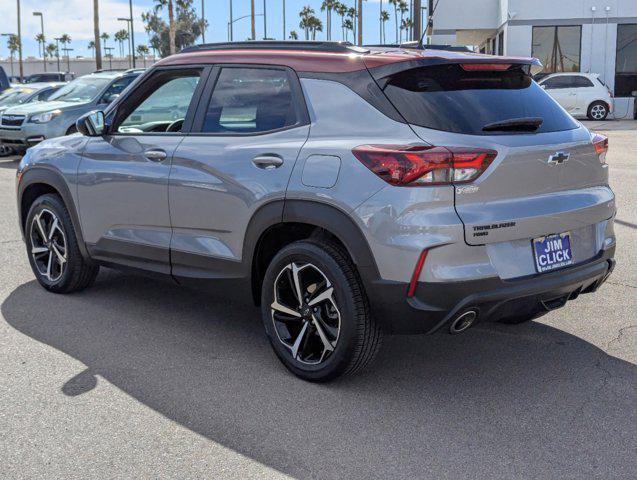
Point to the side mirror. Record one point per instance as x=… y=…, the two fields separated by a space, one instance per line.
x=110 y=98
x=91 y=124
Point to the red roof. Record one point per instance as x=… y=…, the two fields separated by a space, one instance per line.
x=329 y=62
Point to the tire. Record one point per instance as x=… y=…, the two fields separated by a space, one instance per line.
x=597 y=111
x=53 y=250
x=341 y=320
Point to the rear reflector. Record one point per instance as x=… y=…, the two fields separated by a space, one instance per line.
x=416 y=275
x=405 y=165
x=482 y=67
x=600 y=143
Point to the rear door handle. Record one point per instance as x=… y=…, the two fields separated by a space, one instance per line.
x=155 y=155
x=267 y=162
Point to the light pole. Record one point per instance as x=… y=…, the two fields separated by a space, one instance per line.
x=203 y=23
x=265 y=22
x=68 y=58
x=236 y=20
x=284 y=31
x=39 y=14
x=57 y=50
x=132 y=32
x=20 y=44
x=129 y=28
x=231 y=22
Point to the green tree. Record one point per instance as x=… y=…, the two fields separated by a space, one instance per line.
x=187 y=26
x=351 y=15
x=341 y=11
x=52 y=50
x=402 y=8
x=120 y=37
x=91 y=47
x=142 y=51
x=395 y=5
x=328 y=6
x=41 y=43
x=347 y=26
x=13 y=44
x=384 y=17
x=294 y=35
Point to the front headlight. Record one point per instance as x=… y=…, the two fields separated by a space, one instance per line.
x=44 y=117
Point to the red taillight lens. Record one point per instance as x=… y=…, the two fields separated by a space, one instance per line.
x=416 y=275
x=424 y=165
x=482 y=67
x=600 y=143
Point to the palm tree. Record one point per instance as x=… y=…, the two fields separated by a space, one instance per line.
x=406 y=25
x=306 y=14
x=384 y=16
x=142 y=51
x=120 y=37
x=395 y=4
x=402 y=8
x=91 y=47
x=51 y=50
x=294 y=35
x=13 y=44
x=329 y=6
x=41 y=42
x=360 y=22
x=159 y=5
x=347 y=26
x=341 y=11
x=380 y=18
x=351 y=14
x=315 y=26
x=96 y=35
x=104 y=36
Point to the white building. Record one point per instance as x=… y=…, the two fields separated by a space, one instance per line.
x=597 y=36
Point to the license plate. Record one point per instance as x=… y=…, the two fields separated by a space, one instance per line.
x=552 y=251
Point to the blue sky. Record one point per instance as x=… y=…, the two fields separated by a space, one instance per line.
x=75 y=17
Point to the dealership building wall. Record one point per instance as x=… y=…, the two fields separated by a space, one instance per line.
x=527 y=28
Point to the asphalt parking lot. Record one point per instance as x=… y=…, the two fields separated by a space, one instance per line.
x=138 y=379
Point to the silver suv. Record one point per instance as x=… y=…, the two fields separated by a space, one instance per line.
x=347 y=192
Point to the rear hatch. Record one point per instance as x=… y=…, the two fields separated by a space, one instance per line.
x=547 y=177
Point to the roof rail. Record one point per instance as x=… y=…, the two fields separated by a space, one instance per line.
x=334 y=47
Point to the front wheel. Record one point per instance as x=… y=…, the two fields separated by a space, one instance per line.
x=315 y=312
x=597 y=111
x=53 y=250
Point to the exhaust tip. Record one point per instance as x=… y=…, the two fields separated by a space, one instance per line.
x=463 y=321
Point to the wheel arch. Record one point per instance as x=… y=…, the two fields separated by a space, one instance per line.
x=38 y=181
x=280 y=223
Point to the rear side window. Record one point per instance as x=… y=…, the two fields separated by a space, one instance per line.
x=251 y=100
x=446 y=97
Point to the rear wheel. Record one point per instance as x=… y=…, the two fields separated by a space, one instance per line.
x=53 y=250
x=597 y=111
x=315 y=312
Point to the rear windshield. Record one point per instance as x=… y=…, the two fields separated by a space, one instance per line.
x=446 y=97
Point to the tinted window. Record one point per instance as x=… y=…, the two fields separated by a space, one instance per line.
x=446 y=97
x=117 y=88
x=558 y=48
x=81 y=90
x=162 y=104
x=250 y=100
x=567 y=81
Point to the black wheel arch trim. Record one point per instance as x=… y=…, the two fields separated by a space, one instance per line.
x=321 y=215
x=52 y=178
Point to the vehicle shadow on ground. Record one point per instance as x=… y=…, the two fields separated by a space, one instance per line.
x=508 y=401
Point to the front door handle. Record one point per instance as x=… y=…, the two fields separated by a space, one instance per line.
x=267 y=162
x=155 y=155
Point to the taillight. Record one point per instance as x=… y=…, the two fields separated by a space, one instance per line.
x=416 y=275
x=405 y=165
x=482 y=67
x=600 y=143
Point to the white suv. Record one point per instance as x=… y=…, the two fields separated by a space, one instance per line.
x=581 y=94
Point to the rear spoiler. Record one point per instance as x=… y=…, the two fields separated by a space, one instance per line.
x=379 y=68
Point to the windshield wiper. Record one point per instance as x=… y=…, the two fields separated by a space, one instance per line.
x=525 y=124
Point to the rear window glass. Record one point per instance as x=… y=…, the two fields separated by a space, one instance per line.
x=446 y=97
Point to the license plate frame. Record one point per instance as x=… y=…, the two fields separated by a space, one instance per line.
x=552 y=252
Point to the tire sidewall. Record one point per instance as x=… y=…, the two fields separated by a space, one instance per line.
x=339 y=359
x=53 y=203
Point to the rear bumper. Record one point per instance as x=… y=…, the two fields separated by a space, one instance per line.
x=436 y=304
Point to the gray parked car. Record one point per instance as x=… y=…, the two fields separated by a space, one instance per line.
x=347 y=192
x=26 y=125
